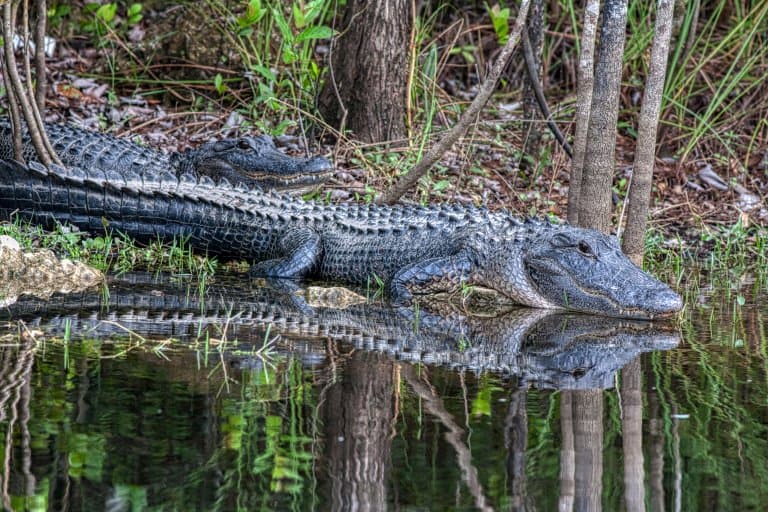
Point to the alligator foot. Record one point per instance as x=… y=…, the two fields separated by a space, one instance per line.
x=436 y=275
x=298 y=252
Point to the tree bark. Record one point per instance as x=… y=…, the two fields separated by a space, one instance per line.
x=583 y=104
x=588 y=448
x=358 y=427
x=567 y=453
x=595 y=195
x=366 y=89
x=516 y=443
x=639 y=196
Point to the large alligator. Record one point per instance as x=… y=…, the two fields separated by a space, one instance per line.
x=412 y=250
x=252 y=161
x=542 y=347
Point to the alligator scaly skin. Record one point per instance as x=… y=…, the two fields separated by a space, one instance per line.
x=252 y=161
x=413 y=250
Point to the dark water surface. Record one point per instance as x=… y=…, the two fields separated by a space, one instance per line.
x=251 y=399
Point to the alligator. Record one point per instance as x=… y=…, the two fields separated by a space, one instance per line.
x=414 y=251
x=252 y=161
x=547 y=348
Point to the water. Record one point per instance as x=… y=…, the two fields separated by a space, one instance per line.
x=264 y=402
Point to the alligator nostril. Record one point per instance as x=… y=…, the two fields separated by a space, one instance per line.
x=665 y=301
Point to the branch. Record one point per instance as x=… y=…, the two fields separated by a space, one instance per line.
x=434 y=154
x=434 y=405
x=530 y=66
x=18 y=92
x=42 y=17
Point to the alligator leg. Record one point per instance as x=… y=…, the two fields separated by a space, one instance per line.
x=299 y=250
x=436 y=275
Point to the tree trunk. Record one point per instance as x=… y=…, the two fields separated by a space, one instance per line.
x=534 y=128
x=595 y=197
x=588 y=448
x=365 y=90
x=632 y=436
x=516 y=443
x=583 y=104
x=645 y=153
x=567 y=454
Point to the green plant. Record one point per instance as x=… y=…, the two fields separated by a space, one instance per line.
x=276 y=72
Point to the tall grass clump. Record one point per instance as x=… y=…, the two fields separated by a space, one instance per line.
x=276 y=42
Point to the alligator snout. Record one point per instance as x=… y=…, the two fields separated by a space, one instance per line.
x=663 y=302
x=318 y=164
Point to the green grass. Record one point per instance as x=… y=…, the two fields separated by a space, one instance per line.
x=718 y=248
x=112 y=253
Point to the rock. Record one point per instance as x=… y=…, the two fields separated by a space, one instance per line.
x=40 y=273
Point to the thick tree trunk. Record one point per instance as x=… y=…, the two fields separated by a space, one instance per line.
x=595 y=198
x=365 y=91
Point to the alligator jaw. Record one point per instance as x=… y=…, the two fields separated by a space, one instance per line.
x=584 y=270
x=256 y=161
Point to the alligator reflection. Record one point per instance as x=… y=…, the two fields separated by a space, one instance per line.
x=548 y=348
x=357 y=398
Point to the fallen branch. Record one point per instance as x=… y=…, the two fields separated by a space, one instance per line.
x=407 y=181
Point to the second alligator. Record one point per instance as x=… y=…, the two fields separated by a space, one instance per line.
x=252 y=161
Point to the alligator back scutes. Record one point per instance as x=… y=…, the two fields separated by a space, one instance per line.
x=353 y=218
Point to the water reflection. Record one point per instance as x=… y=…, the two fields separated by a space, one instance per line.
x=334 y=415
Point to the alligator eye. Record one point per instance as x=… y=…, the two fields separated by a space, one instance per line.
x=585 y=249
x=244 y=144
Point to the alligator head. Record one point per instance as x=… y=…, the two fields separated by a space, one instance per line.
x=584 y=270
x=254 y=161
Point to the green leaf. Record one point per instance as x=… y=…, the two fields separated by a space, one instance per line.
x=441 y=185
x=500 y=21
x=282 y=25
x=312 y=10
x=218 y=84
x=106 y=12
x=265 y=72
x=289 y=56
x=298 y=16
x=319 y=32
